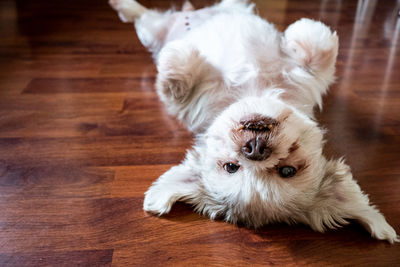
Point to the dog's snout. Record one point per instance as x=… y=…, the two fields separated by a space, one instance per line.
x=256 y=149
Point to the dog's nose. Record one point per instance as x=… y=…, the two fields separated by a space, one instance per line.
x=256 y=149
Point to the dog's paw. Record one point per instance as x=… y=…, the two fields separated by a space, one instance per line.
x=157 y=202
x=180 y=67
x=311 y=43
x=234 y=1
x=115 y=4
x=383 y=231
x=174 y=89
x=127 y=10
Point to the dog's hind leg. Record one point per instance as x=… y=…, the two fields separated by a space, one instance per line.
x=151 y=25
x=187 y=6
x=154 y=28
x=238 y=5
x=230 y=2
x=128 y=10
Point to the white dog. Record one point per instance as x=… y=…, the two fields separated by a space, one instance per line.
x=248 y=92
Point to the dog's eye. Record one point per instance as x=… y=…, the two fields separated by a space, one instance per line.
x=287 y=171
x=230 y=167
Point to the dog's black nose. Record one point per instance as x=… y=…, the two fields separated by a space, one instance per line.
x=256 y=149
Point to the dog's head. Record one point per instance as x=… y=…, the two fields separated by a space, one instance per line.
x=261 y=161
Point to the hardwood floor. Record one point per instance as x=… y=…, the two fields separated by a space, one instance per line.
x=83 y=135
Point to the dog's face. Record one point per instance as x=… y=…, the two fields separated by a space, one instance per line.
x=260 y=159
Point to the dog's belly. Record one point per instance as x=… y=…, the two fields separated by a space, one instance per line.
x=241 y=46
x=184 y=22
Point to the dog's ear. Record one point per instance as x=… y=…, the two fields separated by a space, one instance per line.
x=181 y=182
x=340 y=198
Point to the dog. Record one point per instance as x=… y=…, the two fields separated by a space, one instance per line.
x=248 y=92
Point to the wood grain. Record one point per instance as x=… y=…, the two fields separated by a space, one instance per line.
x=83 y=135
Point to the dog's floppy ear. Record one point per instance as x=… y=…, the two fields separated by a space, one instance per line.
x=181 y=182
x=340 y=198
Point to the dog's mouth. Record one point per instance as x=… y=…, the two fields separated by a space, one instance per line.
x=257 y=123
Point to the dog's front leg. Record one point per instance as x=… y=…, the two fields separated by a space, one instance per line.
x=340 y=198
x=313 y=46
x=181 y=182
x=187 y=83
x=180 y=69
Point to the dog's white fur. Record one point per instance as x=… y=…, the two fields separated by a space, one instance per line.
x=223 y=63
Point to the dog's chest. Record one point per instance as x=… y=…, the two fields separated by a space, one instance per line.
x=187 y=21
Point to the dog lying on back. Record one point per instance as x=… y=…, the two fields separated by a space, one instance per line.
x=248 y=92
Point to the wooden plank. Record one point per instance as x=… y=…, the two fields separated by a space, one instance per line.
x=52 y=182
x=68 y=258
x=95 y=151
x=86 y=85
